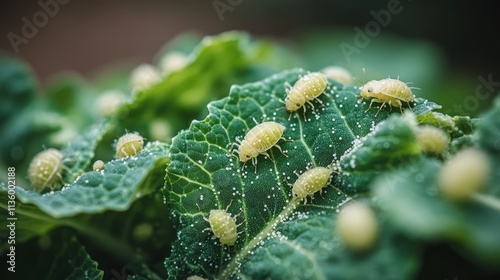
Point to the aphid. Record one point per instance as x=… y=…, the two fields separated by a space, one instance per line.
x=195 y=277
x=173 y=61
x=109 y=102
x=223 y=225
x=306 y=89
x=432 y=139
x=310 y=182
x=258 y=140
x=144 y=76
x=390 y=91
x=129 y=144
x=338 y=74
x=463 y=174
x=45 y=169
x=98 y=165
x=160 y=130
x=357 y=226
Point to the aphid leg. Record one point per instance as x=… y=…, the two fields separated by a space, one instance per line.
x=381 y=106
x=370 y=106
x=243 y=166
x=304 y=113
x=279 y=148
x=409 y=106
x=231 y=147
x=333 y=167
x=310 y=103
x=267 y=155
x=320 y=102
x=305 y=200
x=254 y=162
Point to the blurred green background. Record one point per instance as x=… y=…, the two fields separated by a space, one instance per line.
x=440 y=46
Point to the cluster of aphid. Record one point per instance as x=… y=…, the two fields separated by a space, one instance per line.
x=267 y=134
x=45 y=170
x=356 y=223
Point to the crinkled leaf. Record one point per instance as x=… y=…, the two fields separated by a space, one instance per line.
x=79 y=265
x=488 y=130
x=114 y=188
x=455 y=126
x=77 y=155
x=391 y=143
x=213 y=66
x=410 y=199
x=204 y=173
x=310 y=249
x=58 y=255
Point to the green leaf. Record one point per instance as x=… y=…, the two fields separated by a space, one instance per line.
x=77 y=155
x=488 y=131
x=204 y=173
x=309 y=249
x=55 y=256
x=79 y=266
x=17 y=87
x=410 y=199
x=391 y=143
x=115 y=187
x=213 y=66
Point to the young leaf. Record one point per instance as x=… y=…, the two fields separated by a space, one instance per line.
x=121 y=182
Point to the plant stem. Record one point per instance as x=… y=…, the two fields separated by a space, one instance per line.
x=231 y=267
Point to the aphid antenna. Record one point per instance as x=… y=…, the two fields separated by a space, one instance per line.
x=332 y=166
x=202 y=214
x=229 y=205
x=358 y=80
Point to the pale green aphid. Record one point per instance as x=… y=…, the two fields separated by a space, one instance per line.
x=98 y=165
x=223 y=225
x=310 y=182
x=431 y=139
x=45 y=169
x=129 y=144
x=144 y=76
x=463 y=174
x=387 y=91
x=306 y=89
x=173 y=61
x=357 y=226
x=258 y=140
x=338 y=74
x=109 y=102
